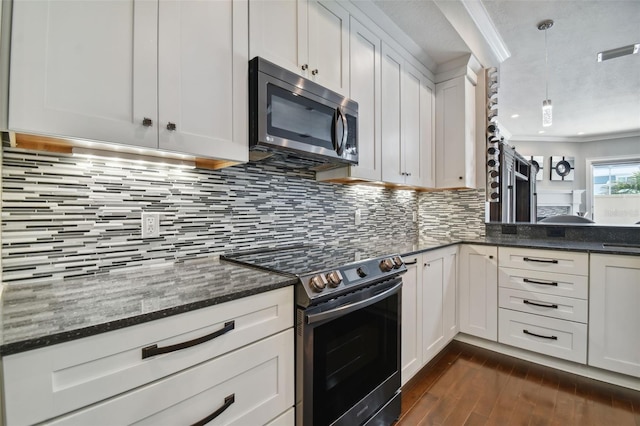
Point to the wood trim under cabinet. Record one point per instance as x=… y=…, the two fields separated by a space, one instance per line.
x=65 y=146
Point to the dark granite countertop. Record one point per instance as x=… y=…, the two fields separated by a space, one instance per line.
x=421 y=245
x=37 y=315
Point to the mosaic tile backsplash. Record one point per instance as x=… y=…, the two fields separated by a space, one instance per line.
x=66 y=216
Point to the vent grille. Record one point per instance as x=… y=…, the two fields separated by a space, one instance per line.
x=632 y=49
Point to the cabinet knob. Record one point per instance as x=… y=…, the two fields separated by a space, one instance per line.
x=408 y=174
x=171 y=126
x=490 y=257
x=147 y=122
x=304 y=67
x=314 y=72
x=460 y=177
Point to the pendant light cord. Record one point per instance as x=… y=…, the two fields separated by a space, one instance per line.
x=546 y=66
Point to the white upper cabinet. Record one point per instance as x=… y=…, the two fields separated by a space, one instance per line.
x=278 y=32
x=202 y=77
x=85 y=69
x=364 y=71
x=153 y=74
x=407 y=110
x=308 y=37
x=455 y=133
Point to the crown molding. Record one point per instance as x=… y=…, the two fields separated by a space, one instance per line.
x=487 y=28
x=577 y=139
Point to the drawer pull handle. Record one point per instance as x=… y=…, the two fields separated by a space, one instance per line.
x=543 y=305
x=153 y=350
x=227 y=403
x=531 y=259
x=539 y=335
x=527 y=280
x=413 y=262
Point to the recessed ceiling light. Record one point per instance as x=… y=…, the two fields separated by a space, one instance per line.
x=580 y=133
x=631 y=49
x=541 y=131
x=515 y=116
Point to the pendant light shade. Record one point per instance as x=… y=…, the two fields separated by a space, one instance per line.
x=547 y=113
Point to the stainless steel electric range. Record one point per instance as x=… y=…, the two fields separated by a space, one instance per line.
x=347 y=330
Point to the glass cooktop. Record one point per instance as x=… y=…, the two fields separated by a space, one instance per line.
x=308 y=258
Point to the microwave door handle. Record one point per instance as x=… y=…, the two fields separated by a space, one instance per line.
x=339 y=146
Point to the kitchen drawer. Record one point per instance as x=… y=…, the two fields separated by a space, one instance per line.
x=68 y=376
x=255 y=383
x=576 y=286
x=560 y=307
x=556 y=261
x=555 y=337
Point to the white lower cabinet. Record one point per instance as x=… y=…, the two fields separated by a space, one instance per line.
x=429 y=308
x=50 y=382
x=439 y=315
x=614 y=313
x=478 y=287
x=550 y=336
x=411 y=347
x=249 y=386
x=543 y=299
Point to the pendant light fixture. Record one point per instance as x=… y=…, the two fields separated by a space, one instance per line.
x=547 y=108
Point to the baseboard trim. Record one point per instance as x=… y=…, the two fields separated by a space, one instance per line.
x=558 y=364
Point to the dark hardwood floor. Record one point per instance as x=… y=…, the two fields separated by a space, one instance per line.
x=467 y=385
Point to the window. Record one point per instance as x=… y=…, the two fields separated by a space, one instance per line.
x=615 y=191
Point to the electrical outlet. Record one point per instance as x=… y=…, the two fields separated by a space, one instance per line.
x=358 y=217
x=150 y=225
x=415 y=216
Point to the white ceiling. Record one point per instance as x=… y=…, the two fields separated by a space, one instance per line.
x=598 y=99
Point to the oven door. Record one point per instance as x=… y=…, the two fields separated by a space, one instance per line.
x=348 y=357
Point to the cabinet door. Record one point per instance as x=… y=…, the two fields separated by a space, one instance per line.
x=391 y=121
x=614 y=335
x=439 y=300
x=365 y=86
x=85 y=69
x=478 y=285
x=203 y=54
x=411 y=319
x=432 y=305
x=450 y=293
x=410 y=113
x=329 y=45
x=455 y=133
x=427 y=129
x=278 y=32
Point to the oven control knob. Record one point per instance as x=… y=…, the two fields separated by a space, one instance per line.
x=361 y=272
x=397 y=262
x=334 y=278
x=386 y=265
x=317 y=283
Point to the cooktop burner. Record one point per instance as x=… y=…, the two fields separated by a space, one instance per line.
x=325 y=271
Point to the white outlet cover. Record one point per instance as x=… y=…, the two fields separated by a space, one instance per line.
x=150 y=225
x=358 y=217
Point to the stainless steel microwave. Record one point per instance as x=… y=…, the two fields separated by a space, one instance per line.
x=298 y=119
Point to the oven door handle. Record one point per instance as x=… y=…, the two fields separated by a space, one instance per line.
x=345 y=309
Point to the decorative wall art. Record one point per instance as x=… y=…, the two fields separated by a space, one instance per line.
x=562 y=168
x=537 y=161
